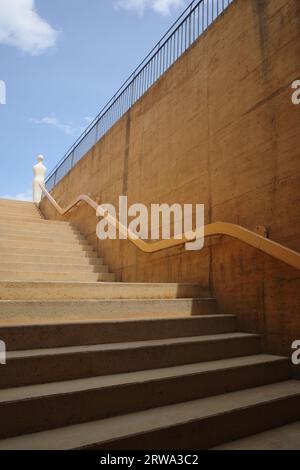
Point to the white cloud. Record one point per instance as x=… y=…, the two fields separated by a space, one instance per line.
x=25 y=196
x=22 y=27
x=164 y=7
x=67 y=128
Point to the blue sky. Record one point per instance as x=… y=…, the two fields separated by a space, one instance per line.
x=62 y=60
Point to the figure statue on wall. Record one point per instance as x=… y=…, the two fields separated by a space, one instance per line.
x=39 y=171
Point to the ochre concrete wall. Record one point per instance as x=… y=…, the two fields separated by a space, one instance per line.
x=220 y=129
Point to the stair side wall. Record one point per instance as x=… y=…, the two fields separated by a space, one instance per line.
x=218 y=128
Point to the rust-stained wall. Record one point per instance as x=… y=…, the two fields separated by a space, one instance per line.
x=220 y=129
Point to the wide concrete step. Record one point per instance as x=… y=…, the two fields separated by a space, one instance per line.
x=15 y=215
x=35 y=408
x=46 y=259
x=73 y=362
x=51 y=267
x=43 y=238
x=12 y=203
x=41 y=229
x=60 y=251
x=19 y=290
x=35 y=236
x=65 y=275
x=18 y=207
x=21 y=208
x=197 y=424
x=10 y=219
x=23 y=216
x=281 y=438
x=45 y=245
x=85 y=310
x=20 y=337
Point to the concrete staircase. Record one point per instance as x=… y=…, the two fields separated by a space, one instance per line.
x=107 y=365
x=32 y=248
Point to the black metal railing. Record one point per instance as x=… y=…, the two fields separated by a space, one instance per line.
x=189 y=26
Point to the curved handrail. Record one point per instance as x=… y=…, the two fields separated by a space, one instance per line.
x=271 y=248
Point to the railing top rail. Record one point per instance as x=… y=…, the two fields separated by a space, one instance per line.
x=267 y=246
x=170 y=47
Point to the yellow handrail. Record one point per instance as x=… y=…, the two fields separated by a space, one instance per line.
x=274 y=249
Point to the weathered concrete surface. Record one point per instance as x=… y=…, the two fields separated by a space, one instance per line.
x=197 y=424
x=25 y=250
x=61 y=404
x=282 y=438
x=220 y=129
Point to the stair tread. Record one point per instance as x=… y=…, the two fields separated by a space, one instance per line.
x=41 y=289
x=28 y=225
x=97 y=284
x=21 y=215
x=119 y=321
x=82 y=303
x=14 y=202
x=37 y=230
x=106 y=430
x=77 y=385
x=26 y=214
x=126 y=345
x=58 y=265
x=92 y=301
x=9 y=275
x=101 y=306
x=53 y=260
x=45 y=241
x=280 y=438
x=49 y=273
x=19 y=209
x=34 y=234
x=32 y=220
x=51 y=251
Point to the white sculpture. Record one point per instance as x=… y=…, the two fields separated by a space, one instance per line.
x=39 y=171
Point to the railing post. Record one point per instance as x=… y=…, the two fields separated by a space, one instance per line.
x=39 y=171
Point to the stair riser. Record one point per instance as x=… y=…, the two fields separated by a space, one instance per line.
x=50 y=336
x=33 y=222
x=33 y=239
x=207 y=433
x=43 y=369
x=8 y=245
x=17 y=215
x=102 y=309
x=13 y=203
x=52 y=268
x=47 y=276
x=44 y=226
x=66 y=261
x=38 y=414
x=57 y=291
x=49 y=252
x=40 y=230
x=19 y=209
x=36 y=237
